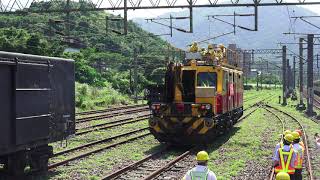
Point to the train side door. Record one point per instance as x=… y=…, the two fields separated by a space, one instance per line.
x=32 y=102
x=230 y=91
x=225 y=90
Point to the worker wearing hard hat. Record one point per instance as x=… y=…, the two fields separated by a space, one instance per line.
x=281 y=136
x=300 y=134
x=299 y=150
x=285 y=157
x=194 y=47
x=201 y=171
x=282 y=176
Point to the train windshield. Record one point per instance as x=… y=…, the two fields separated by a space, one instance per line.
x=207 y=79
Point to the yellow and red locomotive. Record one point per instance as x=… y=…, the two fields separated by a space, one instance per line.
x=202 y=98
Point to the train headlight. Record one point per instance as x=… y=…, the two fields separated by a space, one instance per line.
x=155 y=106
x=205 y=107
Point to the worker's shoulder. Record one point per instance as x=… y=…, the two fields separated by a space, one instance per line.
x=211 y=175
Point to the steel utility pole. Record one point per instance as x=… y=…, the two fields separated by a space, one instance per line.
x=284 y=81
x=135 y=75
x=310 y=111
x=288 y=78
x=294 y=72
x=301 y=105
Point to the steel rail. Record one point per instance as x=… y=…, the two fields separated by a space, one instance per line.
x=282 y=122
x=133 y=165
x=54 y=165
x=315 y=99
x=155 y=173
x=109 y=109
x=174 y=161
x=109 y=126
x=98 y=142
x=104 y=116
x=161 y=170
x=309 y=167
x=112 y=122
x=250 y=98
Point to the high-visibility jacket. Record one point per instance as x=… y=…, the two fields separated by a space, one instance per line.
x=200 y=173
x=302 y=145
x=299 y=150
x=285 y=165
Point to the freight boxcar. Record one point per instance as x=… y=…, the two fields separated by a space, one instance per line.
x=37 y=108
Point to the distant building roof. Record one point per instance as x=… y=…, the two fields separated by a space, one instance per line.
x=70 y=49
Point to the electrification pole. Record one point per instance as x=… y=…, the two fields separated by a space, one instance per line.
x=288 y=78
x=310 y=111
x=301 y=105
x=284 y=81
x=294 y=72
x=135 y=75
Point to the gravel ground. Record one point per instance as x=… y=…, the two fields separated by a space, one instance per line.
x=146 y=168
x=178 y=170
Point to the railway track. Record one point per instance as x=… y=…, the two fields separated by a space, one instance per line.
x=99 y=142
x=108 y=109
x=250 y=98
x=299 y=124
x=109 y=125
x=316 y=100
x=112 y=114
x=88 y=153
x=148 y=167
x=94 y=151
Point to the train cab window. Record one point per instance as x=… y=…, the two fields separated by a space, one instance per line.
x=207 y=79
x=188 y=83
x=225 y=81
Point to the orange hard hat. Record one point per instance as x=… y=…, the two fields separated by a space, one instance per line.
x=299 y=131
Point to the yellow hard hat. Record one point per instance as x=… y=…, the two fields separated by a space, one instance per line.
x=299 y=131
x=210 y=46
x=202 y=156
x=221 y=46
x=288 y=138
x=295 y=135
x=287 y=132
x=282 y=176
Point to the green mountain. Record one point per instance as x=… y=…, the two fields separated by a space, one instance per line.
x=100 y=55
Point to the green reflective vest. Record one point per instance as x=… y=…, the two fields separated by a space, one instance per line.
x=196 y=175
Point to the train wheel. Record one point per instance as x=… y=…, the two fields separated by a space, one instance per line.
x=39 y=158
x=39 y=163
x=16 y=163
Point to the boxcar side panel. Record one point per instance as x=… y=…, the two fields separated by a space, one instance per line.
x=5 y=105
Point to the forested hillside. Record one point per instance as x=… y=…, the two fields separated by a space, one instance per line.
x=104 y=56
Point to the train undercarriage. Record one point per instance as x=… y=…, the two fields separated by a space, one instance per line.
x=188 y=130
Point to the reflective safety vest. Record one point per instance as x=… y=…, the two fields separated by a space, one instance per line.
x=196 y=175
x=299 y=159
x=284 y=166
x=302 y=145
